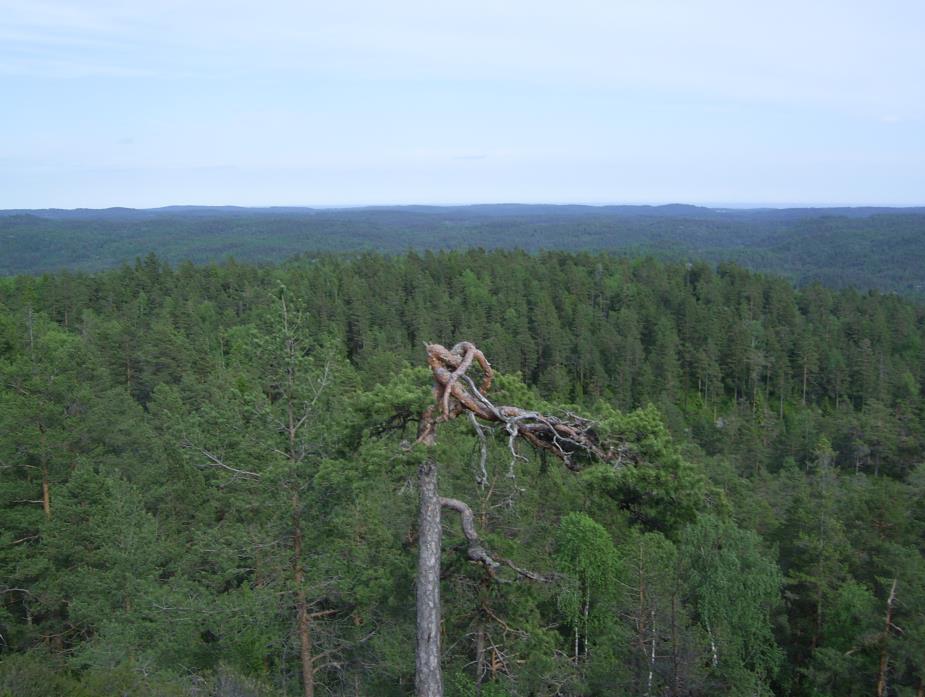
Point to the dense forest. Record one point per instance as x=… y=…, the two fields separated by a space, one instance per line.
x=208 y=474
x=839 y=247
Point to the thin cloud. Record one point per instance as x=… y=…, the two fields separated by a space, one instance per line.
x=324 y=102
x=67 y=69
x=787 y=51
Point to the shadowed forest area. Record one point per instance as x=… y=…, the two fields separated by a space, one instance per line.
x=208 y=476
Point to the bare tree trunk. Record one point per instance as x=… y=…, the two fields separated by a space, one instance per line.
x=884 y=655
x=46 y=493
x=675 y=682
x=481 y=662
x=817 y=626
x=428 y=679
x=641 y=618
x=651 y=657
x=302 y=615
x=29 y=324
x=585 y=612
x=46 y=485
x=805 y=371
x=715 y=658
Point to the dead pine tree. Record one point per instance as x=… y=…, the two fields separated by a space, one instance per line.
x=572 y=439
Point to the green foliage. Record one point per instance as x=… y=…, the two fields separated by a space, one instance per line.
x=586 y=554
x=102 y=549
x=769 y=489
x=461 y=685
x=864 y=248
x=35 y=674
x=652 y=480
x=734 y=588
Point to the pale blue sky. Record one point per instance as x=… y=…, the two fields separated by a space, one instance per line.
x=106 y=103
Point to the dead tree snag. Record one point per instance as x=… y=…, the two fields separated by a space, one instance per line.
x=570 y=438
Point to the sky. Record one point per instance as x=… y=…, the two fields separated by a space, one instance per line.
x=143 y=104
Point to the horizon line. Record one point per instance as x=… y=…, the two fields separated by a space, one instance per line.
x=323 y=206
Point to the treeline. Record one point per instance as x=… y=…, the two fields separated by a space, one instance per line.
x=207 y=480
x=864 y=248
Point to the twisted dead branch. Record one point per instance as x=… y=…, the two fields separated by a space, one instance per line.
x=476 y=552
x=571 y=438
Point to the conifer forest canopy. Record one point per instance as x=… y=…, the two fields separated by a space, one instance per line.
x=878 y=248
x=675 y=478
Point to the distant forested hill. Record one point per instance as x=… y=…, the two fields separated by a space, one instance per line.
x=879 y=248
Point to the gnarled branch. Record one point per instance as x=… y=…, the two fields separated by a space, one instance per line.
x=476 y=551
x=568 y=437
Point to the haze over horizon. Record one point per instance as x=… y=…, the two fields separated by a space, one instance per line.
x=743 y=206
x=723 y=104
